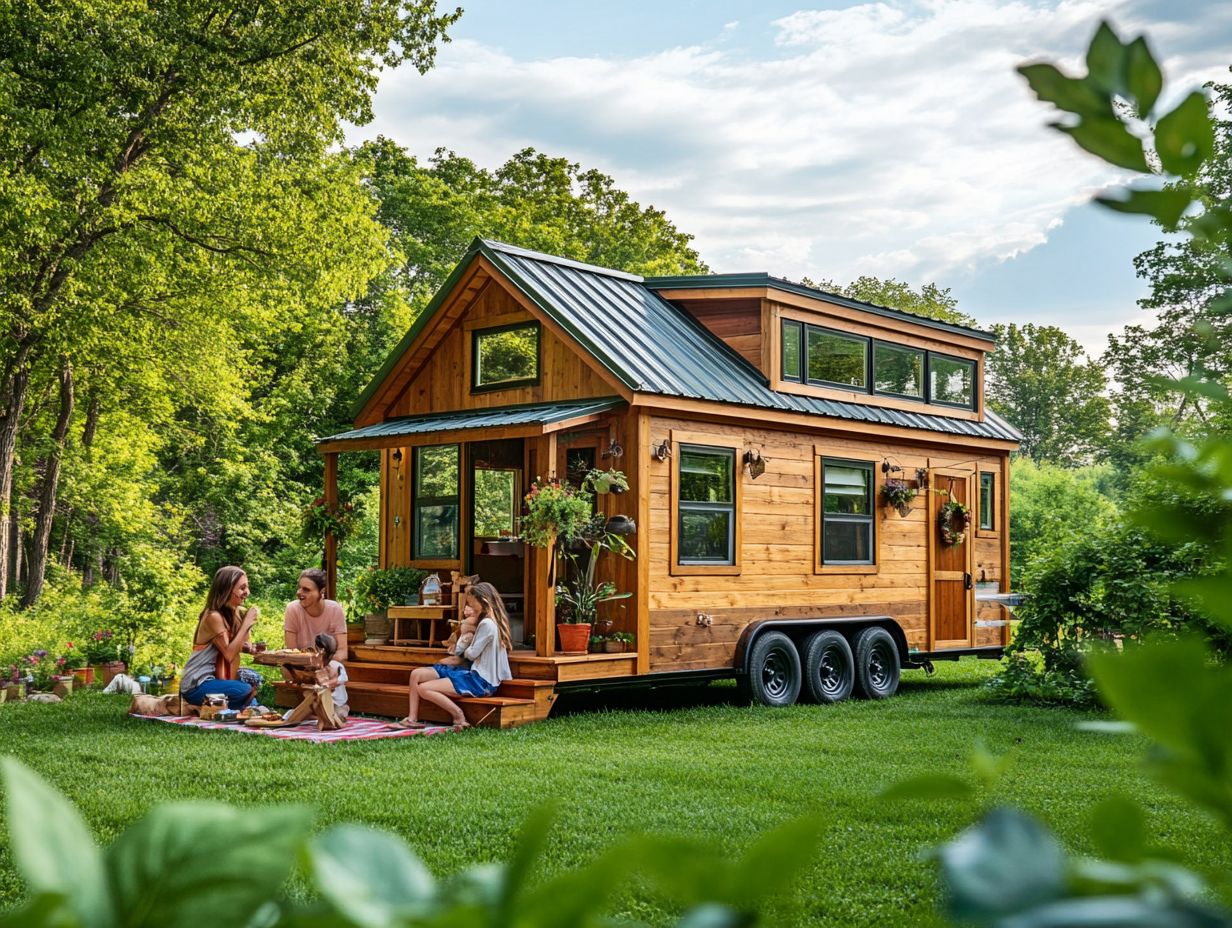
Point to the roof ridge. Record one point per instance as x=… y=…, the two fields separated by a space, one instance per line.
x=546 y=258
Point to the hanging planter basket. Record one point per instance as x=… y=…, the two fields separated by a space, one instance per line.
x=954 y=520
x=899 y=495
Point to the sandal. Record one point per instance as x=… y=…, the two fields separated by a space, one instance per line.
x=407 y=725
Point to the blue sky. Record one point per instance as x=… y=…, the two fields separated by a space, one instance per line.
x=823 y=139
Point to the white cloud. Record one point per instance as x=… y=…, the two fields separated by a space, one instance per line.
x=891 y=138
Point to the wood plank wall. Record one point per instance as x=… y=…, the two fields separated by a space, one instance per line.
x=443 y=383
x=778 y=576
x=736 y=322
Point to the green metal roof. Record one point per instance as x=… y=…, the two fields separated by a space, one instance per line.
x=652 y=346
x=732 y=281
x=533 y=414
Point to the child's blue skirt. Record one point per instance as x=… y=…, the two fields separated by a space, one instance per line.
x=465 y=682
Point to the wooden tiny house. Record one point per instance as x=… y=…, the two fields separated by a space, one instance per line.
x=756 y=420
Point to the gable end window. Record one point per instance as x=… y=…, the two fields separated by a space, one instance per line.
x=988 y=501
x=847 y=512
x=505 y=356
x=706 y=519
x=434 y=505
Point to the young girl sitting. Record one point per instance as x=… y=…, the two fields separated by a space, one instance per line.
x=336 y=675
x=478 y=671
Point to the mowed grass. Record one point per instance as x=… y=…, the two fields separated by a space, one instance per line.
x=692 y=762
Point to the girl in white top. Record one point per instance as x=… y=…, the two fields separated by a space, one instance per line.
x=481 y=668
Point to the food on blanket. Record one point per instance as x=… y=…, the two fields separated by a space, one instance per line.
x=271 y=716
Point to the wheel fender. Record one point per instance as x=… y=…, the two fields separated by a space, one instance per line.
x=796 y=627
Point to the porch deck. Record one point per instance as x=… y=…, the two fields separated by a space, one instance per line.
x=379 y=674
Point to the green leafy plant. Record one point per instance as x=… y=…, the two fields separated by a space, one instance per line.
x=607 y=481
x=554 y=510
x=101 y=647
x=377 y=589
x=320 y=518
x=192 y=863
x=582 y=593
x=899 y=494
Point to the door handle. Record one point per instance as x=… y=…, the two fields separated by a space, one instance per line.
x=966 y=581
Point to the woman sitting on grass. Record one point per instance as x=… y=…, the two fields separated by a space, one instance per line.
x=221 y=636
x=478 y=671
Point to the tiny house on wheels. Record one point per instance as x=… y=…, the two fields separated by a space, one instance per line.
x=815 y=486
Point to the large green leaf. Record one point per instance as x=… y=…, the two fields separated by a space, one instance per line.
x=186 y=861
x=52 y=848
x=370 y=876
x=47 y=910
x=1166 y=205
x=775 y=861
x=1185 y=137
x=1108 y=138
x=1004 y=864
x=1107 y=61
x=929 y=786
x=1118 y=829
x=1071 y=94
x=1142 y=77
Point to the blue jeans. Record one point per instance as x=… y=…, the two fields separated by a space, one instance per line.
x=239 y=694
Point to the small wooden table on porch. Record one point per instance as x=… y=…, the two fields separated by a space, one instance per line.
x=423 y=626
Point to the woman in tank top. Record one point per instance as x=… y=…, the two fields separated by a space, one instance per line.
x=220 y=638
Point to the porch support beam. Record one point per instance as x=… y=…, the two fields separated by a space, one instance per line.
x=331 y=542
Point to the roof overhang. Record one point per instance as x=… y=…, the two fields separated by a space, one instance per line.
x=527 y=421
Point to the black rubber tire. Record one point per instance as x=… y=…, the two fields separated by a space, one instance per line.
x=877 y=664
x=829 y=667
x=774 y=676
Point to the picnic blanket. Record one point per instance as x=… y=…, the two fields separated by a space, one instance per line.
x=355 y=729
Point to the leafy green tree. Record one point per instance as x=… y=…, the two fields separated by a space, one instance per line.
x=1041 y=380
x=930 y=300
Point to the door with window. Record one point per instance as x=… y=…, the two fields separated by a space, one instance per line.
x=952 y=593
x=496 y=488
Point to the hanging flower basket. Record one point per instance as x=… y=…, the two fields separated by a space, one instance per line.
x=899 y=495
x=954 y=519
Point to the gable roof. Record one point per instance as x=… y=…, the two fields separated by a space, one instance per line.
x=651 y=346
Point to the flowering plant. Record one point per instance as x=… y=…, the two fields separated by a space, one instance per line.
x=71 y=659
x=101 y=647
x=320 y=518
x=554 y=510
x=39 y=668
x=899 y=494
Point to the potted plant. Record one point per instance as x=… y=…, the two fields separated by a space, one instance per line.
x=596 y=644
x=319 y=518
x=899 y=494
x=14 y=684
x=554 y=510
x=618 y=642
x=583 y=594
x=101 y=648
x=607 y=481
x=377 y=589
x=73 y=662
x=39 y=667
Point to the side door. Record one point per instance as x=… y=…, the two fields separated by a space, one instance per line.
x=951 y=591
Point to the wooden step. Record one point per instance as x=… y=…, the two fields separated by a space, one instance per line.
x=517 y=702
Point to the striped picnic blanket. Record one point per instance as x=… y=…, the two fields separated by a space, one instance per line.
x=355 y=729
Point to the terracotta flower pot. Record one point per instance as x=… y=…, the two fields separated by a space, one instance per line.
x=111 y=669
x=614 y=647
x=574 y=638
x=84 y=675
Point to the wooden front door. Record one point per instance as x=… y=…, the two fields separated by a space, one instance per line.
x=952 y=594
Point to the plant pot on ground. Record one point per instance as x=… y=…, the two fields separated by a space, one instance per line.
x=62 y=686
x=112 y=669
x=84 y=675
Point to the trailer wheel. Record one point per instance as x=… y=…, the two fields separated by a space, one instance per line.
x=829 y=668
x=774 y=671
x=877 y=664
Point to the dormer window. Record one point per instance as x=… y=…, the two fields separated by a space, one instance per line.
x=951 y=381
x=898 y=370
x=505 y=356
x=837 y=359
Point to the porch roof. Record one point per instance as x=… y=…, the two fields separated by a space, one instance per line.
x=538 y=414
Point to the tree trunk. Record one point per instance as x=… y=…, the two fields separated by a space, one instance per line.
x=17 y=552
x=47 y=492
x=12 y=401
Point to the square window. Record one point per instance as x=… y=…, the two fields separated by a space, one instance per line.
x=951 y=381
x=506 y=356
x=837 y=359
x=898 y=371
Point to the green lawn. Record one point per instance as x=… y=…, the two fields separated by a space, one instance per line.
x=705 y=767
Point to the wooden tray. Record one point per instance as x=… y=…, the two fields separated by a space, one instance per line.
x=307 y=660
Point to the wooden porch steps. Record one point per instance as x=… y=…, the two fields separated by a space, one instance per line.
x=516 y=702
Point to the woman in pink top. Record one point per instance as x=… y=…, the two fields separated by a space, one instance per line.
x=311 y=614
